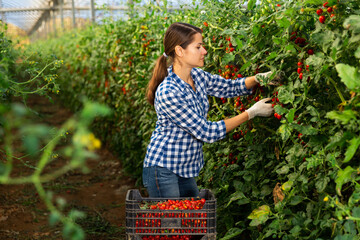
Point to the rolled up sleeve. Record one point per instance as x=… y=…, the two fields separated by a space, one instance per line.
x=220 y=87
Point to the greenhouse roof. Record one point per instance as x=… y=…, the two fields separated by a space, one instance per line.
x=28 y=14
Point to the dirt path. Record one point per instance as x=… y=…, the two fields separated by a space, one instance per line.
x=100 y=194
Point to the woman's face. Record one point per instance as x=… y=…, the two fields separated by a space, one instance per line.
x=194 y=53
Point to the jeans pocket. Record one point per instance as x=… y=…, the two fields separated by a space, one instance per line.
x=165 y=176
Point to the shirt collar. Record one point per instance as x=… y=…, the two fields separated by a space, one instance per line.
x=177 y=79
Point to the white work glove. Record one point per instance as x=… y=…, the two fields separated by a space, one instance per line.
x=260 y=76
x=261 y=109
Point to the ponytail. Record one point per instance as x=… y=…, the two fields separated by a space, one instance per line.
x=159 y=73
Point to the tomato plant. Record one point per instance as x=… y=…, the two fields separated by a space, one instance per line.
x=291 y=176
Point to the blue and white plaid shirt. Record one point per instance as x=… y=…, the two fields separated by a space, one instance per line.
x=181 y=128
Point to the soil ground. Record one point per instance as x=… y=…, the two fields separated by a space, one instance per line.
x=100 y=194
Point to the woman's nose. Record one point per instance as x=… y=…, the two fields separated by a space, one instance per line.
x=204 y=51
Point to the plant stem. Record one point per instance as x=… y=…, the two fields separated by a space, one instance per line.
x=29 y=81
x=337 y=90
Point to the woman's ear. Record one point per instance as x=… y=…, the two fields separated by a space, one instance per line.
x=179 y=51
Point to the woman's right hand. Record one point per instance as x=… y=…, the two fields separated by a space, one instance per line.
x=261 y=108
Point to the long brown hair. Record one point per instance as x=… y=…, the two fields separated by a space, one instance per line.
x=178 y=34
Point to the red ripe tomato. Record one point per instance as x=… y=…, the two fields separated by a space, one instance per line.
x=325 y=4
x=310 y=52
x=301 y=75
x=319 y=11
x=332 y=15
x=329 y=10
x=299 y=70
x=322 y=19
x=206 y=24
x=239 y=75
x=299 y=64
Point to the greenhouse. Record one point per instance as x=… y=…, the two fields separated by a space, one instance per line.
x=196 y=119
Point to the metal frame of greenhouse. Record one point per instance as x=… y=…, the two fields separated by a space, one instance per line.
x=48 y=17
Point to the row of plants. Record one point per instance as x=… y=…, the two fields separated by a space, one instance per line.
x=27 y=144
x=291 y=176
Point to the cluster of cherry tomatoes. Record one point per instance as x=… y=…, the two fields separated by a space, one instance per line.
x=231 y=72
x=185 y=204
x=330 y=10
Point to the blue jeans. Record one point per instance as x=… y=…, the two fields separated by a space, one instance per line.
x=163 y=183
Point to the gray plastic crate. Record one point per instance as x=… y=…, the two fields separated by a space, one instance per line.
x=195 y=224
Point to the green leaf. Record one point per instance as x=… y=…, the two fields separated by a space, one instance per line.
x=315 y=60
x=283 y=170
x=344 y=237
x=357 y=53
x=54 y=218
x=256 y=30
x=283 y=22
x=324 y=39
x=280 y=110
x=321 y=183
x=355 y=197
x=278 y=41
x=291 y=114
x=305 y=129
x=285 y=132
x=251 y=4
x=233 y=232
x=291 y=49
x=351 y=150
x=287 y=186
x=245 y=66
x=92 y=110
x=72 y=231
x=344 y=116
x=272 y=56
x=350 y=227
x=356 y=212
x=286 y=95
x=259 y=215
x=352 y=23
x=228 y=58
x=343 y=176
x=239 y=43
x=295 y=230
x=349 y=75
x=237 y=196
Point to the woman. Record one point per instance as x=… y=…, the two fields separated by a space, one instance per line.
x=180 y=95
